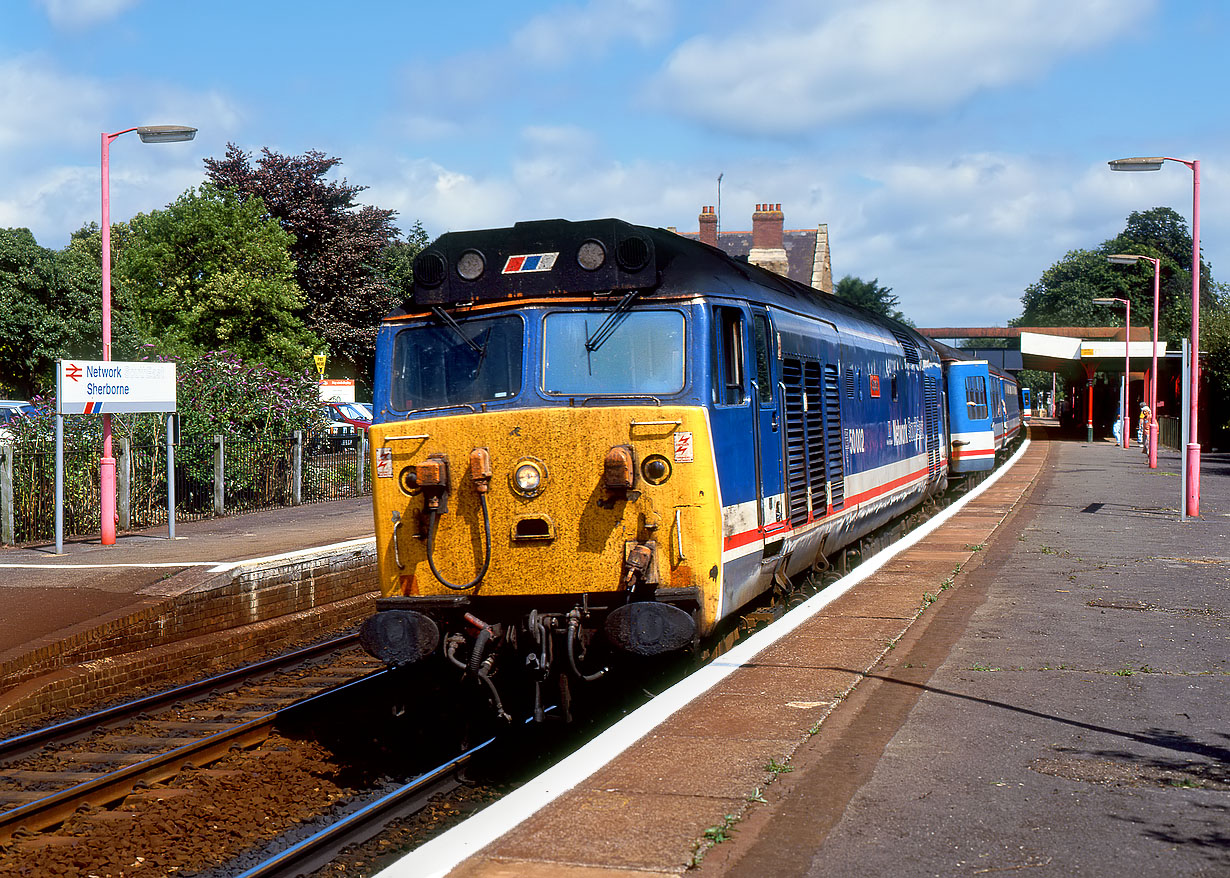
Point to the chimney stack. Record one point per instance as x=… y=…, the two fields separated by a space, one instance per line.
x=767 y=224
x=768 y=243
x=708 y=226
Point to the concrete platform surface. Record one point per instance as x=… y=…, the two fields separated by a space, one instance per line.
x=1073 y=720
x=1039 y=687
x=43 y=593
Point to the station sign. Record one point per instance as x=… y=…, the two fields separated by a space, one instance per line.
x=96 y=387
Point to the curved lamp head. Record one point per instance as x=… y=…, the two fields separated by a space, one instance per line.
x=1137 y=164
x=1123 y=258
x=165 y=133
x=1107 y=301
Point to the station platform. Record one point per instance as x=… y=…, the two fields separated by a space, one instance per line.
x=149 y=611
x=1039 y=684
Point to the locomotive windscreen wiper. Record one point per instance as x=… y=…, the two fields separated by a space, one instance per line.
x=603 y=332
x=447 y=320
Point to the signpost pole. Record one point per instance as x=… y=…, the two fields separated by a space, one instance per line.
x=170 y=476
x=1183 y=458
x=59 y=460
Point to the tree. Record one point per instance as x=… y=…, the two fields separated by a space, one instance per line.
x=337 y=243
x=214 y=272
x=870 y=295
x=50 y=307
x=1064 y=295
x=397 y=260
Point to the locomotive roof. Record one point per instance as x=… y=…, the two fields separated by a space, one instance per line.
x=604 y=259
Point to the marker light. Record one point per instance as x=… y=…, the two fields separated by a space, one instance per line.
x=528 y=478
x=471 y=265
x=591 y=255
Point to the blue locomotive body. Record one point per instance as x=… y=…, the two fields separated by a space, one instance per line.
x=656 y=432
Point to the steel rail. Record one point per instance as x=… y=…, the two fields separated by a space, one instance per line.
x=20 y=745
x=114 y=785
x=320 y=848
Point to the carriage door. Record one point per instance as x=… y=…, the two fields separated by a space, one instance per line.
x=768 y=430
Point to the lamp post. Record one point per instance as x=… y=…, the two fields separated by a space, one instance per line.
x=1193 y=445
x=148 y=134
x=1124 y=430
x=1129 y=259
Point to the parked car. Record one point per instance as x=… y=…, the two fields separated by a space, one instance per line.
x=10 y=410
x=347 y=421
x=356 y=414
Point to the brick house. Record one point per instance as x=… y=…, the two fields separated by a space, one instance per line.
x=799 y=254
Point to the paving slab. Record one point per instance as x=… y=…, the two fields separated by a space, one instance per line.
x=1077 y=724
x=716 y=760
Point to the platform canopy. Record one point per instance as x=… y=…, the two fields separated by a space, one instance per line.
x=1067 y=350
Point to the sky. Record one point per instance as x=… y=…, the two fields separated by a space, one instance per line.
x=955 y=148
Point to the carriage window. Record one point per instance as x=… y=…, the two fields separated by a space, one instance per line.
x=640 y=353
x=728 y=377
x=976 y=397
x=477 y=361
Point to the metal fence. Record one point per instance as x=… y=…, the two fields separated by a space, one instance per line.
x=1170 y=433
x=212 y=478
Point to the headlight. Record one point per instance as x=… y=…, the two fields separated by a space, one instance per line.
x=528 y=478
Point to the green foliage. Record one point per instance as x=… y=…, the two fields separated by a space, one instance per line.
x=213 y=271
x=1064 y=295
x=218 y=394
x=397 y=260
x=337 y=247
x=1215 y=338
x=50 y=307
x=870 y=295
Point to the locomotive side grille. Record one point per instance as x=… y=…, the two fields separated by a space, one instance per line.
x=813 y=390
x=907 y=345
x=932 y=422
x=796 y=442
x=832 y=431
x=849 y=384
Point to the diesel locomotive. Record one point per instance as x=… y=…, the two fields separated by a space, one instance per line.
x=595 y=438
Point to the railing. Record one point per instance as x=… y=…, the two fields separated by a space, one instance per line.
x=212 y=478
x=1170 y=433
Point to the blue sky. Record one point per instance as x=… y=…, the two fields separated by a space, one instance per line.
x=955 y=148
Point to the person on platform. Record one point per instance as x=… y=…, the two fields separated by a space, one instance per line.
x=1142 y=428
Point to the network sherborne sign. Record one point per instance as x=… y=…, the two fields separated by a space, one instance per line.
x=95 y=387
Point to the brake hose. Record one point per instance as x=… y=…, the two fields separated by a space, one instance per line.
x=433 y=521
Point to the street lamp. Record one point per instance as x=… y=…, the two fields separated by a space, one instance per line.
x=1193 y=445
x=1130 y=259
x=1124 y=429
x=148 y=134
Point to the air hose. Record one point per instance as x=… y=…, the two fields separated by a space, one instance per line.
x=573 y=625
x=433 y=521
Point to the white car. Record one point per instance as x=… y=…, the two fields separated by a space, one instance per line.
x=11 y=409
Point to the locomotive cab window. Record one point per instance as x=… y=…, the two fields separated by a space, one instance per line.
x=640 y=352
x=728 y=376
x=436 y=365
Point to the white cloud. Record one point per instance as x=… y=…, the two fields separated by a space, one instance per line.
x=81 y=13
x=41 y=105
x=790 y=69
x=51 y=124
x=565 y=33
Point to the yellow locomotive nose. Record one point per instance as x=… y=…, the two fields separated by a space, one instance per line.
x=549 y=505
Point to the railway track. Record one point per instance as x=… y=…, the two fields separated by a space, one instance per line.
x=49 y=774
x=151 y=757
